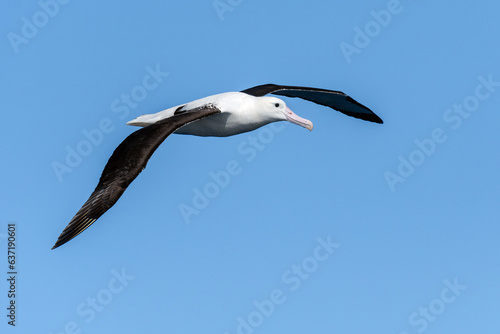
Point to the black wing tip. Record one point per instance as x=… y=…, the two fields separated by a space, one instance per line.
x=370 y=116
x=59 y=243
x=375 y=119
x=64 y=238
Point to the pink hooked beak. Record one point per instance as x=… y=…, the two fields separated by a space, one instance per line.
x=295 y=119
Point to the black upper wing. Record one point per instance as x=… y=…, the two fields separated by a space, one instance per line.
x=330 y=98
x=126 y=162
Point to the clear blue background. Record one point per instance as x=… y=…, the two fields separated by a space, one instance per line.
x=397 y=248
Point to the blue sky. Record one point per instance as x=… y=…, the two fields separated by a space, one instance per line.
x=354 y=227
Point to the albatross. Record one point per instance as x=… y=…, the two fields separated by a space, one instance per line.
x=219 y=115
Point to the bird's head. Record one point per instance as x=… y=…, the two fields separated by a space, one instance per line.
x=275 y=110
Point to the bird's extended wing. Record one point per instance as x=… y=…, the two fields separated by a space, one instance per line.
x=126 y=162
x=330 y=98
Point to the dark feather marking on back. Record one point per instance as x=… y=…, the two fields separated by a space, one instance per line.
x=179 y=110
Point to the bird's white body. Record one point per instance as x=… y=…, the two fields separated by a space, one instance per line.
x=240 y=113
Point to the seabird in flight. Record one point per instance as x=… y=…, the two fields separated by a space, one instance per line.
x=218 y=115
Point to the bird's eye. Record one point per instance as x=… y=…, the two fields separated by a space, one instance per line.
x=277 y=105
